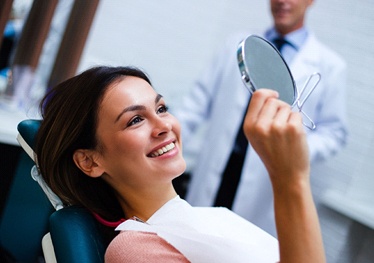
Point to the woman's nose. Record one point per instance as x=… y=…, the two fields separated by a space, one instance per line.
x=161 y=126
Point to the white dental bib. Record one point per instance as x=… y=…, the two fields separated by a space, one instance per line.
x=208 y=234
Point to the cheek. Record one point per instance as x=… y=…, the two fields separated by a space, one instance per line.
x=176 y=127
x=120 y=157
x=118 y=145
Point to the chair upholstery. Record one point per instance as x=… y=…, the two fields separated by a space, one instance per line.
x=76 y=235
x=28 y=130
x=24 y=219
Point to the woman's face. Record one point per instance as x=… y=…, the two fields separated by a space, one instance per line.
x=140 y=141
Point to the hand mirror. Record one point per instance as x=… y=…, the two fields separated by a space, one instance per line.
x=262 y=66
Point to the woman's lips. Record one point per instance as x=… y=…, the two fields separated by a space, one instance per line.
x=162 y=150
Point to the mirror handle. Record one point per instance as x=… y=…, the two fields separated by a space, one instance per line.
x=300 y=103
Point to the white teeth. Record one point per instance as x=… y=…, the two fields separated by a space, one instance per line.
x=163 y=150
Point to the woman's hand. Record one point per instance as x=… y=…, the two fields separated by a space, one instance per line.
x=277 y=135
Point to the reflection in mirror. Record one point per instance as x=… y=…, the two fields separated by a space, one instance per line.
x=262 y=66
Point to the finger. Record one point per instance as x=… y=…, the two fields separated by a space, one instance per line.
x=269 y=111
x=272 y=108
x=258 y=99
x=296 y=120
x=282 y=115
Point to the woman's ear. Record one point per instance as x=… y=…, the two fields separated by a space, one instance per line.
x=85 y=160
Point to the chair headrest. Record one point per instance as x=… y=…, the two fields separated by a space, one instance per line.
x=77 y=236
x=28 y=130
x=27 y=135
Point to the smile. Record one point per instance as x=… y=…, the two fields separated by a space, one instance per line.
x=162 y=150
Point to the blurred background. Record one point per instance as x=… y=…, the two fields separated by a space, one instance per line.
x=173 y=41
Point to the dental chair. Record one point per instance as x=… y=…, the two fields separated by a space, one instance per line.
x=74 y=234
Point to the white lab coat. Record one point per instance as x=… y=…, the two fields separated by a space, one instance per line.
x=219 y=101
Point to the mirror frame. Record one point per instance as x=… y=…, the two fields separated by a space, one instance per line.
x=242 y=58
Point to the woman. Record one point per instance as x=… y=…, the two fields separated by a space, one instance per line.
x=108 y=143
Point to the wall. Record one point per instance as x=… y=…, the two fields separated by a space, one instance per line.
x=173 y=40
x=348 y=27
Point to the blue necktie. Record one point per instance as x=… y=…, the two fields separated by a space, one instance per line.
x=279 y=43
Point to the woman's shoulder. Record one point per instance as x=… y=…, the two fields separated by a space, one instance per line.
x=137 y=246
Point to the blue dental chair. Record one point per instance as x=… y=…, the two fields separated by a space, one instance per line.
x=24 y=217
x=74 y=234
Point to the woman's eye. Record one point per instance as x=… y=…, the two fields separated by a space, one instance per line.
x=135 y=120
x=162 y=109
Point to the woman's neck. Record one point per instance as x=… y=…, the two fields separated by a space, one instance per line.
x=143 y=204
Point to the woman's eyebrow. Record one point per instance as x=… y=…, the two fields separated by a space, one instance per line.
x=158 y=97
x=136 y=107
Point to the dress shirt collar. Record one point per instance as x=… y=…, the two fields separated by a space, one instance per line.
x=295 y=38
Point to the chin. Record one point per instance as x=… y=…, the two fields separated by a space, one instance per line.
x=181 y=169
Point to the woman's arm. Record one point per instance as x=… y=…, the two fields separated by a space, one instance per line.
x=277 y=135
x=136 y=246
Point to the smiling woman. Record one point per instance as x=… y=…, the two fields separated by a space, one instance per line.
x=69 y=123
x=108 y=143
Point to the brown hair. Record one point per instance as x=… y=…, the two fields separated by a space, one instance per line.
x=69 y=123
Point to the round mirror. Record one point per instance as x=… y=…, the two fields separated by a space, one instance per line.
x=262 y=66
